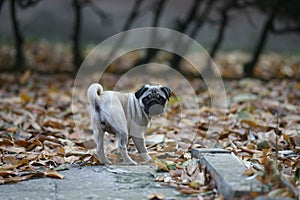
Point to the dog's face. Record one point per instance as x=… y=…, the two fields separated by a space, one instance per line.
x=153 y=98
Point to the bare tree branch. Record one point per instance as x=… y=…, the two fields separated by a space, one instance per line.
x=97 y=10
x=77 y=57
x=151 y=53
x=176 y=59
x=192 y=13
x=132 y=16
x=19 y=41
x=249 y=66
x=220 y=36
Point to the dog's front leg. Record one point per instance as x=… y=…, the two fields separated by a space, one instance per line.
x=141 y=147
x=122 y=145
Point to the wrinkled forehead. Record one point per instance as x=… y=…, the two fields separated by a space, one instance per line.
x=153 y=88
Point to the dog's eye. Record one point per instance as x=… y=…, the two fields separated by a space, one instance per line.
x=162 y=100
x=150 y=96
x=144 y=100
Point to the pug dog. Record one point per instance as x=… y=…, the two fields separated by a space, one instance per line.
x=126 y=115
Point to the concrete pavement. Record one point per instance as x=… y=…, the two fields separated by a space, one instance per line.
x=96 y=182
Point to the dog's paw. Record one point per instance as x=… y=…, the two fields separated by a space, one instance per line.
x=129 y=163
x=145 y=157
x=106 y=162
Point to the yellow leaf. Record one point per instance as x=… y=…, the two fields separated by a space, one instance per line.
x=162 y=166
x=25 y=97
x=194 y=185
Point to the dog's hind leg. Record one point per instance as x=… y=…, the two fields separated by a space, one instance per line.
x=99 y=138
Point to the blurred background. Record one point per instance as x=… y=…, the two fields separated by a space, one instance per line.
x=246 y=38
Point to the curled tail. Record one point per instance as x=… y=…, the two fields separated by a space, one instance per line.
x=93 y=93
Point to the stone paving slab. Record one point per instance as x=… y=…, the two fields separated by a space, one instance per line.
x=97 y=182
x=228 y=171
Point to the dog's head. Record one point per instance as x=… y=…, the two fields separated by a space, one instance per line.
x=153 y=98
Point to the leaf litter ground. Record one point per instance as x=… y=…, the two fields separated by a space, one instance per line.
x=262 y=127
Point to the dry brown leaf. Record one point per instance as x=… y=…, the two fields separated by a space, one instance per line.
x=72 y=159
x=249 y=172
x=155 y=196
x=53 y=174
x=23 y=143
x=6 y=142
x=14 y=165
x=12 y=129
x=25 y=77
x=54 y=124
x=162 y=166
x=17 y=179
x=189 y=191
x=4 y=173
x=59 y=159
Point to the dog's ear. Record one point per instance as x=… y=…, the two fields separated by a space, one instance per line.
x=167 y=91
x=141 y=91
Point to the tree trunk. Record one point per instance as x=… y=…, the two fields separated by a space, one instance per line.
x=77 y=57
x=1 y=3
x=220 y=35
x=151 y=53
x=133 y=15
x=19 y=41
x=249 y=66
x=190 y=17
x=176 y=59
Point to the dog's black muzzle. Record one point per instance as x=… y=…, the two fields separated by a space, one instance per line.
x=154 y=104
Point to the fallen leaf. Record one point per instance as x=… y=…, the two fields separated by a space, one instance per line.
x=12 y=129
x=189 y=191
x=53 y=174
x=249 y=172
x=25 y=77
x=195 y=185
x=161 y=165
x=23 y=143
x=25 y=97
x=155 y=196
x=17 y=179
x=5 y=142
